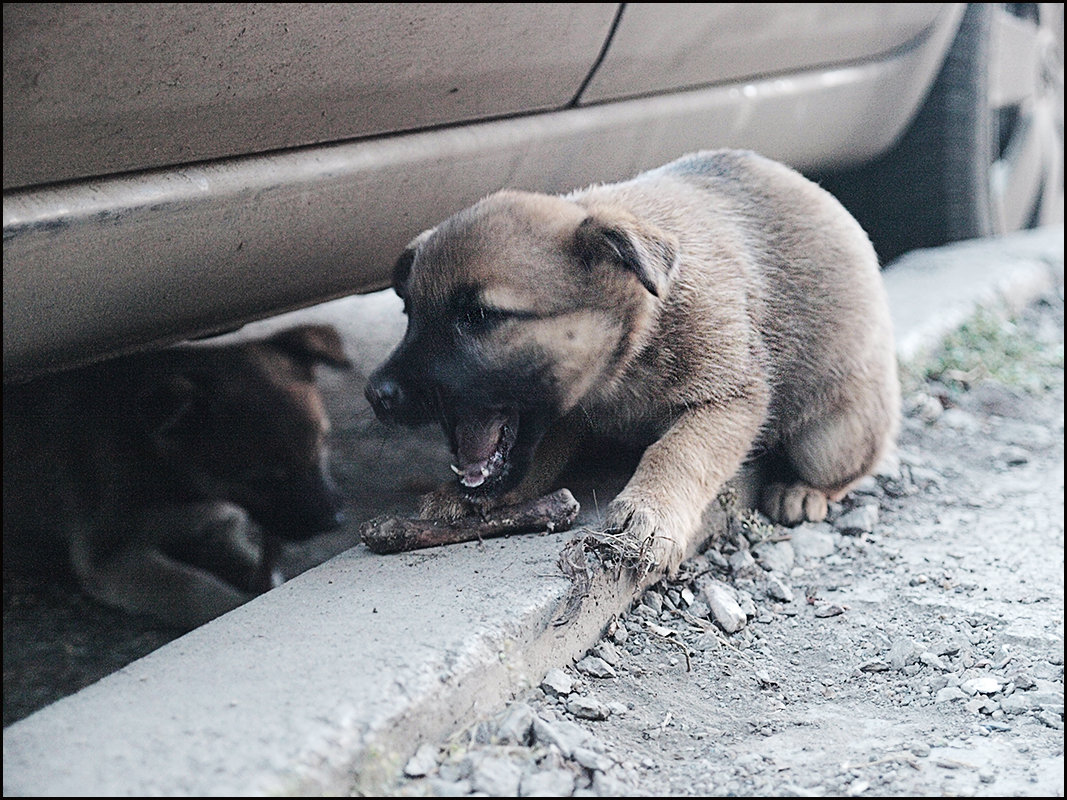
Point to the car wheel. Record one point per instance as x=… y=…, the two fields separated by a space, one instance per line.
x=984 y=155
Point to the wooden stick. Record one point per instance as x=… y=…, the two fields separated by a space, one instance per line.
x=553 y=512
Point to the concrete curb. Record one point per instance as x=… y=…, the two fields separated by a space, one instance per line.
x=328 y=683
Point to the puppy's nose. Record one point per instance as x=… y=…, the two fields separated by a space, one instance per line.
x=385 y=396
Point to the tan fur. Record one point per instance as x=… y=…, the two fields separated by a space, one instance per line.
x=163 y=480
x=719 y=308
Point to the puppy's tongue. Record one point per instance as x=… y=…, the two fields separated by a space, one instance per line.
x=478 y=436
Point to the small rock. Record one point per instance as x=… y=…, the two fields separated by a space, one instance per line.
x=653 y=600
x=496 y=776
x=547 y=783
x=516 y=725
x=874 y=665
x=590 y=759
x=557 y=683
x=775 y=556
x=422 y=763
x=742 y=563
x=985 y=684
x=596 y=667
x=699 y=608
x=606 y=651
x=566 y=736
x=814 y=541
x=932 y=660
x=960 y=420
x=725 y=609
x=948 y=694
x=586 y=707
x=443 y=788
x=902 y=653
x=823 y=610
x=777 y=589
x=859 y=520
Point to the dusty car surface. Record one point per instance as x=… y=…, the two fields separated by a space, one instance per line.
x=173 y=170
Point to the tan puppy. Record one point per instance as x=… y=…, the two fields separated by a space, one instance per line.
x=162 y=479
x=717 y=309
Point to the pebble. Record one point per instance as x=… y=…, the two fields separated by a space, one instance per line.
x=814 y=541
x=443 y=788
x=566 y=736
x=948 y=694
x=557 y=683
x=902 y=653
x=982 y=685
x=496 y=776
x=596 y=667
x=775 y=556
x=516 y=724
x=591 y=759
x=823 y=610
x=725 y=609
x=653 y=600
x=586 y=707
x=607 y=652
x=742 y=563
x=422 y=763
x=556 y=782
x=777 y=589
x=932 y=660
x=860 y=520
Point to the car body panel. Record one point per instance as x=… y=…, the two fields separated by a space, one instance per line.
x=115 y=263
x=660 y=47
x=186 y=82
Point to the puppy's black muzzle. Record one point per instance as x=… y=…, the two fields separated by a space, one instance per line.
x=394 y=400
x=302 y=508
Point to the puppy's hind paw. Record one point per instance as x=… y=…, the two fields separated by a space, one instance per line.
x=791 y=504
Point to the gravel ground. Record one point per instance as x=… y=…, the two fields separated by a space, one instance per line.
x=913 y=645
x=910 y=646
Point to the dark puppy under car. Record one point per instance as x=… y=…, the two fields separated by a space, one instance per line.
x=164 y=480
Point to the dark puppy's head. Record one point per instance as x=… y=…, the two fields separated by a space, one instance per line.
x=246 y=423
x=517 y=308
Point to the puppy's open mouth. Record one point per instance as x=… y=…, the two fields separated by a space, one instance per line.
x=482 y=439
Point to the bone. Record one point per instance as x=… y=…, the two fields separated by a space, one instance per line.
x=391 y=534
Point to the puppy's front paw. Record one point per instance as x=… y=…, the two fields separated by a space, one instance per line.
x=644 y=536
x=791 y=504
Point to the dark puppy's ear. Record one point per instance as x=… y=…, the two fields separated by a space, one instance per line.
x=646 y=251
x=312 y=344
x=402 y=267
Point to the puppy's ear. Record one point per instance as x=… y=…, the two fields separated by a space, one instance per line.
x=312 y=344
x=402 y=267
x=651 y=254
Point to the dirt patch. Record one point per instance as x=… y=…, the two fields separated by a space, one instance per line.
x=910 y=646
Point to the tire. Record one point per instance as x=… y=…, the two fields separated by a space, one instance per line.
x=984 y=154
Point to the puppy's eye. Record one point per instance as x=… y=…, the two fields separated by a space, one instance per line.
x=479 y=319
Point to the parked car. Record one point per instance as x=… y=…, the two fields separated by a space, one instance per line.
x=174 y=170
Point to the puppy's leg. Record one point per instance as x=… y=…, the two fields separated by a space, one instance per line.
x=220 y=538
x=120 y=562
x=658 y=513
x=826 y=457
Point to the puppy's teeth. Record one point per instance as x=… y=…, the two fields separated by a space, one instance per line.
x=456 y=469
